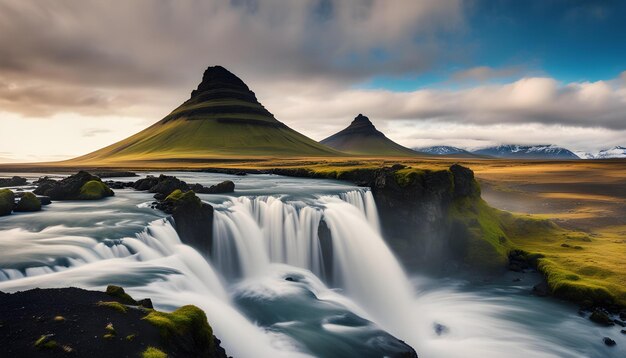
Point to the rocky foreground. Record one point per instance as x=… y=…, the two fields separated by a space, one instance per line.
x=69 y=322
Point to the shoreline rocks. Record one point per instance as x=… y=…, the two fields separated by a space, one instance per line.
x=13 y=181
x=80 y=186
x=76 y=322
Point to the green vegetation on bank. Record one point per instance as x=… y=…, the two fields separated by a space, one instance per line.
x=152 y=352
x=577 y=267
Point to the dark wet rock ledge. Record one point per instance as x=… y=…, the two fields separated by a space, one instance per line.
x=72 y=322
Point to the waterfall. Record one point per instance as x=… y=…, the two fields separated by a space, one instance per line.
x=152 y=264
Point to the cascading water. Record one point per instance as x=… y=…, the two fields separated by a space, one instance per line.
x=267 y=266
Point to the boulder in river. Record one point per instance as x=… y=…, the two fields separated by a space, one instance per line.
x=226 y=186
x=608 y=341
x=7 y=201
x=600 y=317
x=28 y=202
x=193 y=219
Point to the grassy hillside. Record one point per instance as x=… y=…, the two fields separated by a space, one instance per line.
x=222 y=119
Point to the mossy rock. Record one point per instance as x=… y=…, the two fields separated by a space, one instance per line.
x=7 y=201
x=179 y=197
x=28 y=202
x=187 y=321
x=152 y=352
x=123 y=297
x=94 y=190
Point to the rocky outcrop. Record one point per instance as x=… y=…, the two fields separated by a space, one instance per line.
x=414 y=208
x=163 y=185
x=193 y=219
x=75 y=322
x=13 y=181
x=80 y=186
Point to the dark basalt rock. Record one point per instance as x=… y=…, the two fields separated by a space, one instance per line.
x=326 y=246
x=221 y=188
x=119 y=184
x=80 y=186
x=608 y=341
x=601 y=317
x=193 y=219
x=70 y=322
x=14 y=181
x=115 y=174
x=164 y=185
x=464 y=183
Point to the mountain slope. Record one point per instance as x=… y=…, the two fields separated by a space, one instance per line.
x=221 y=119
x=362 y=138
x=527 y=152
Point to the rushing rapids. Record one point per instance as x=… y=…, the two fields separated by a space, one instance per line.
x=267 y=287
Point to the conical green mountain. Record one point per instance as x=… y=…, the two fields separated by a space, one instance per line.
x=362 y=138
x=222 y=119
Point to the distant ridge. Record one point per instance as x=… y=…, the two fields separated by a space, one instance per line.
x=514 y=151
x=221 y=119
x=617 y=152
x=446 y=150
x=362 y=138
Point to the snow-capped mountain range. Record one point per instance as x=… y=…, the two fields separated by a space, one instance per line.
x=612 y=153
x=547 y=151
x=442 y=150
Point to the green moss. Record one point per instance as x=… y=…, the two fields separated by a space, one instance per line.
x=28 y=202
x=408 y=176
x=570 y=286
x=110 y=329
x=187 y=320
x=7 y=201
x=184 y=198
x=484 y=244
x=152 y=352
x=93 y=190
x=118 y=292
x=114 y=305
x=44 y=342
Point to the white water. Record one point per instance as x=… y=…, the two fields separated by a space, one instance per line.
x=260 y=241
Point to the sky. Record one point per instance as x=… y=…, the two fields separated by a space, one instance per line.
x=78 y=75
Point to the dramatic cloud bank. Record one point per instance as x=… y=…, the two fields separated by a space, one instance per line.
x=106 y=70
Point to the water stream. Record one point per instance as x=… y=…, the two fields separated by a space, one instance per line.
x=266 y=289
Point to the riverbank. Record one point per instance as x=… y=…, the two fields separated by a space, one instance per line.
x=76 y=322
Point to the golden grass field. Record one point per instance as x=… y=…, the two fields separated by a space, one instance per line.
x=587 y=199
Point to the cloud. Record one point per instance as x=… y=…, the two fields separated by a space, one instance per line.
x=161 y=43
x=484 y=73
x=527 y=100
